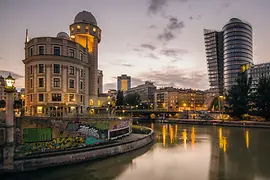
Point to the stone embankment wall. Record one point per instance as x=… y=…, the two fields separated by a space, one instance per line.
x=74 y=156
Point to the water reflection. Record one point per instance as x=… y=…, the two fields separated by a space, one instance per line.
x=181 y=152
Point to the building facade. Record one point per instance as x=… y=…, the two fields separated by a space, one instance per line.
x=61 y=75
x=146 y=92
x=214 y=56
x=258 y=71
x=123 y=82
x=226 y=52
x=100 y=82
x=238 y=49
x=174 y=99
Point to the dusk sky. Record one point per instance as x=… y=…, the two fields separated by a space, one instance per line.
x=156 y=40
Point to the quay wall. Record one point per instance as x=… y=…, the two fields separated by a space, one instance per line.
x=68 y=157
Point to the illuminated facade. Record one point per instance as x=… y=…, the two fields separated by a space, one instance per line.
x=100 y=82
x=61 y=75
x=123 y=82
x=174 y=99
x=258 y=71
x=146 y=92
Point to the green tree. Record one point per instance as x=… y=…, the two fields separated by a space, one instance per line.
x=262 y=98
x=2 y=103
x=133 y=99
x=238 y=96
x=120 y=98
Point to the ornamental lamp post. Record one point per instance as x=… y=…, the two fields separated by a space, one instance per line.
x=9 y=149
x=9 y=89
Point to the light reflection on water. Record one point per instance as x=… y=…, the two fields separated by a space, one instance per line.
x=180 y=152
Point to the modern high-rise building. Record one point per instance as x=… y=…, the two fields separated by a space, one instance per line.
x=238 y=49
x=61 y=75
x=214 y=56
x=227 y=51
x=123 y=82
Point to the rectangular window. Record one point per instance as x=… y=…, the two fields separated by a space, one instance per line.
x=31 y=69
x=31 y=97
x=41 y=68
x=41 y=97
x=56 y=50
x=71 y=70
x=41 y=50
x=71 y=98
x=78 y=28
x=81 y=56
x=56 y=82
x=81 y=72
x=56 y=68
x=71 y=53
x=31 y=51
x=81 y=98
x=81 y=85
x=40 y=82
x=56 y=97
x=71 y=83
x=31 y=83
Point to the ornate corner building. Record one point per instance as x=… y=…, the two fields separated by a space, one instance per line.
x=61 y=73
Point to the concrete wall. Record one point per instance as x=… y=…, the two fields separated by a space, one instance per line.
x=75 y=156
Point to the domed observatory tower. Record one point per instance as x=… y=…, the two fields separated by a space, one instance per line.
x=85 y=31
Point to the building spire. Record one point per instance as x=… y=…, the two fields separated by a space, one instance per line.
x=26 y=36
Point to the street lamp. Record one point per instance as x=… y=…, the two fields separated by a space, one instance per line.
x=9 y=89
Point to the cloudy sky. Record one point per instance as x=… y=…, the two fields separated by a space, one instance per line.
x=157 y=40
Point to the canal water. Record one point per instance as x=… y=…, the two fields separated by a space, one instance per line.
x=181 y=152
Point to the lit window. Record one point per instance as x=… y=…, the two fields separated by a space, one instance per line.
x=41 y=97
x=41 y=50
x=86 y=28
x=56 y=97
x=40 y=82
x=56 y=51
x=72 y=98
x=78 y=28
x=41 y=68
x=56 y=82
x=71 y=53
x=39 y=109
x=71 y=83
x=71 y=70
x=94 y=29
x=56 y=68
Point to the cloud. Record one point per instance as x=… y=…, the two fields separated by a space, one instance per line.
x=111 y=85
x=152 y=27
x=148 y=46
x=126 y=65
x=153 y=56
x=171 y=76
x=136 y=81
x=198 y=17
x=5 y=73
x=175 y=53
x=173 y=27
x=157 y=6
x=138 y=50
x=174 y=24
x=1 y=58
x=121 y=63
x=166 y=36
